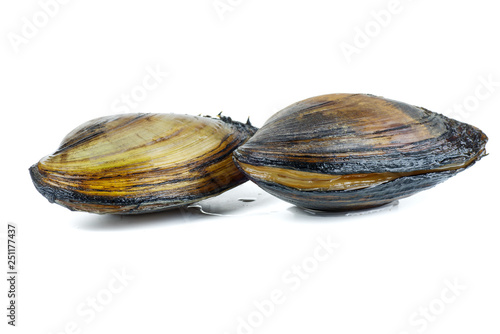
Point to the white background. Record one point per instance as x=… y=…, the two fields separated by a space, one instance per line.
x=189 y=272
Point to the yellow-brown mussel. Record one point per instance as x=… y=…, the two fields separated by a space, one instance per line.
x=137 y=163
x=354 y=151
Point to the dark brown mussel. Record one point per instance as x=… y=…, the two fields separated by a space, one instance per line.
x=354 y=151
x=137 y=163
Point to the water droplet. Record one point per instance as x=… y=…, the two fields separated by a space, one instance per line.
x=247 y=200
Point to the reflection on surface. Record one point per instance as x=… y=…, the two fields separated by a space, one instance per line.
x=310 y=212
x=246 y=200
x=94 y=222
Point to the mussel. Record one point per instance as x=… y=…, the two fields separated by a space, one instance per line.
x=355 y=151
x=137 y=163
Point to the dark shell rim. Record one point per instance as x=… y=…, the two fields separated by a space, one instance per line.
x=334 y=205
x=55 y=195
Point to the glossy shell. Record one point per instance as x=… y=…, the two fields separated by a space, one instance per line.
x=136 y=163
x=354 y=151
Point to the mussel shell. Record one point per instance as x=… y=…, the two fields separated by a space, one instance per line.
x=137 y=163
x=357 y=136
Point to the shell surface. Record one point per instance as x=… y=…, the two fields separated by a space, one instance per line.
x=136 y=163
x=354 y=151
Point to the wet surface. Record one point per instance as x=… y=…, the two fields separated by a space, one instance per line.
x=246 y=200
x=257 y=202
